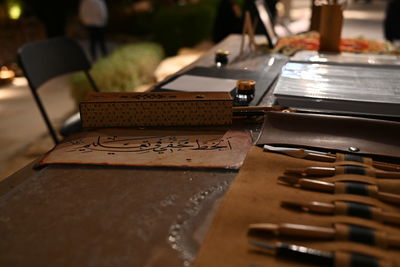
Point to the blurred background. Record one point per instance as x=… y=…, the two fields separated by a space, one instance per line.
x=147 y=41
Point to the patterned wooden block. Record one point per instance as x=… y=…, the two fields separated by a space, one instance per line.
x=156 y=109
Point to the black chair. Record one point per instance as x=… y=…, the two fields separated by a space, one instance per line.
x=44 y=60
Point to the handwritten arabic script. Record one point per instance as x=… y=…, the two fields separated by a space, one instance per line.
x=151 y=144
x=129 y=147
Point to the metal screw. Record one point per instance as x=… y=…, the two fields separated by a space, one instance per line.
x=353 y=149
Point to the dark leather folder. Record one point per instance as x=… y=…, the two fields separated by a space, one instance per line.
x=264 y=78
x=330 y=132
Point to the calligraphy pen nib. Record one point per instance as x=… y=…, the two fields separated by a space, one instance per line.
x=292 y=180
x=296 y=172
x=292 y=205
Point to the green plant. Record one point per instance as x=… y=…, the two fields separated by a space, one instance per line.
x=122 y=71
x=178 y=26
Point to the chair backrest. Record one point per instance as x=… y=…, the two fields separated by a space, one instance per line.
x=44 y=60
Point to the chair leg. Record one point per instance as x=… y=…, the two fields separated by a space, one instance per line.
x=91 y=81
x=46 y=118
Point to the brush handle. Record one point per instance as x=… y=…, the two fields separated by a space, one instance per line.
x=317 y=185
x=389 y=217
x=363 y=189
x=386 y=174
x=389 y=197
x=358 y=260
x=386 y=166
x=365 y=211
x=320 y=207
x=320 y=157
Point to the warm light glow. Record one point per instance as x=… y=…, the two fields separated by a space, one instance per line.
x=14 y=11
x=20 y=82
x=6 y=74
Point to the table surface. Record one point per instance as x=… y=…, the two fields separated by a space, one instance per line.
x=114 y=216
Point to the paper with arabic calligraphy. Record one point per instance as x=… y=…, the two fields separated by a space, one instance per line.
x=151 y=148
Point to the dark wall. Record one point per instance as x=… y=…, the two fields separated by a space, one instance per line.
x=53 y=13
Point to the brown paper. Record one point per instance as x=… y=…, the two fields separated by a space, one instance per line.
x=255 y=197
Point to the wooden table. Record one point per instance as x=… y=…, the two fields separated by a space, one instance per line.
x=112 y=216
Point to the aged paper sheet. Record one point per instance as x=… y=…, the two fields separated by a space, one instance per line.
x=154 y=148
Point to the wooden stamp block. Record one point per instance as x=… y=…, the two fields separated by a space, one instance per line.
x=156 y=109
